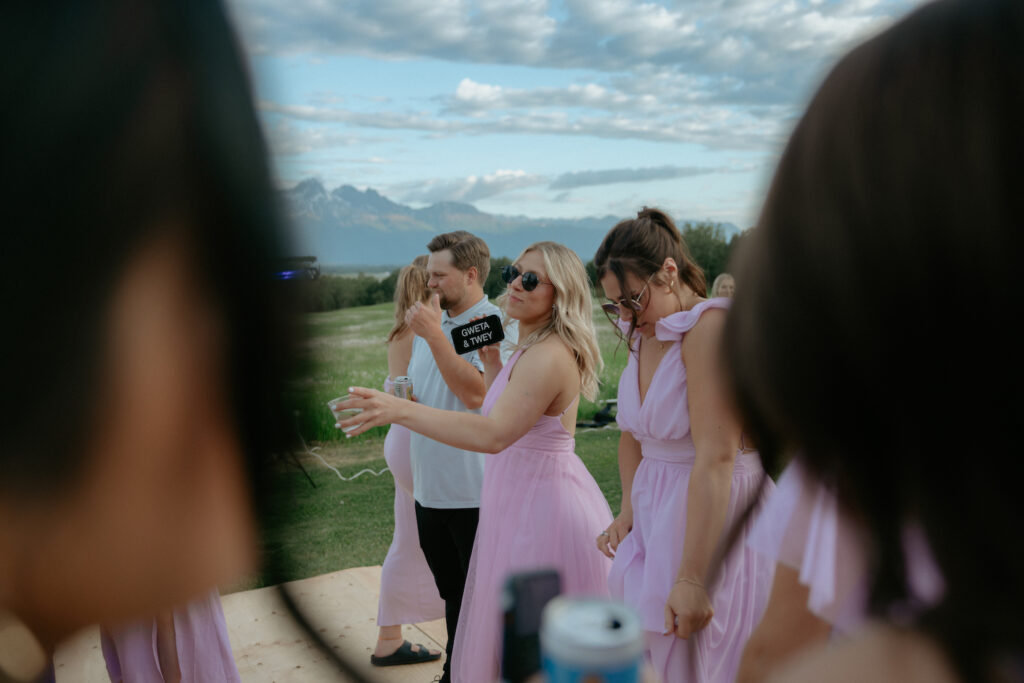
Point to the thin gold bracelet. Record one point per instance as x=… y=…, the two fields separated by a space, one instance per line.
x=698 y=584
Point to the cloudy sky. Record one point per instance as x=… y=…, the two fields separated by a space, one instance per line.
x=545 y=108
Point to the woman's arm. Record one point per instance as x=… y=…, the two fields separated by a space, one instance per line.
x=399 y=353
x=786 y=628
x=629 y=460
x=716 y=437
x=542 y=376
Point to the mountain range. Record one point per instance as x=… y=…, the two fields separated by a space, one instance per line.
x=346 y=226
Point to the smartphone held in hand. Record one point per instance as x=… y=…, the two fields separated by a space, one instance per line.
x=524 y=598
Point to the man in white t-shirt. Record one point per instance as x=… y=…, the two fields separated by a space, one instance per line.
x=447 y=480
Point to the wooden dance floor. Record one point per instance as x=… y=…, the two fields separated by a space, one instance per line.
x=270 y=648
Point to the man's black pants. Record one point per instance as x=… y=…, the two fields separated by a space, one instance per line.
x=446 y=537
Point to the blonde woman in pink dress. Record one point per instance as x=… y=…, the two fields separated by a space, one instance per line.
x=539 y=506
x=686 y=474
x=408 y=594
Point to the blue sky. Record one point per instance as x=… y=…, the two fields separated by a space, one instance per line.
x=545 y=108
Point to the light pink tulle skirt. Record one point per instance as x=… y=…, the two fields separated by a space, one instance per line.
x=539 y=508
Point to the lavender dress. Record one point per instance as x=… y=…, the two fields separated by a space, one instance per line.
x=802 y=527
x=648 y=559
x=539 y=507
x=201 y=637
x=408 y=594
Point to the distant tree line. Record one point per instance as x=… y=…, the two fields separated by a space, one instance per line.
x=331 y=292
x=705 y=240
x=709 y=248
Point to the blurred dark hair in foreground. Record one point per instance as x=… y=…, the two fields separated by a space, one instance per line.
x=872 y=334
x=128 y=120
x=130 y=140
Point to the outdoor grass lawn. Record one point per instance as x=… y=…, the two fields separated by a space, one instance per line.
x=341 y=524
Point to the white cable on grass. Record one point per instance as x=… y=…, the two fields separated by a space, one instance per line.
x=313 y=452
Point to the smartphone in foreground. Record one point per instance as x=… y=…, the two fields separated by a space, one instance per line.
x=524 y=597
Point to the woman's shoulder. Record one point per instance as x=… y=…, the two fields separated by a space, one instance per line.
x=548 y=352
x=703 y=331
x=550 y=358
x=879 y=652
x=705 y=314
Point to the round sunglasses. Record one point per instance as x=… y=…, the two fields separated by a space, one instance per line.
x=530 y=279
x=632 y=303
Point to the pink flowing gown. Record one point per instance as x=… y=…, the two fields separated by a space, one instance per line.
x=201 y=637
x=539 y=507
x=408 y=594
x=648 y=559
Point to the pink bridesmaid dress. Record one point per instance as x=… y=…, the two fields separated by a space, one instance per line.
x=408 y=594
x=201 y=637
x=802 y=527
x=539 y=507
x=647 y=561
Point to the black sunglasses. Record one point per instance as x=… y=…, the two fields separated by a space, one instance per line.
x=530 y=279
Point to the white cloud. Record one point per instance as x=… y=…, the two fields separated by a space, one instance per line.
x=575 y=179
x=608 y=35
x=766 y=52
x=470 y=189
x=286 y=140
x=471 y=97
x=714 y=126
x=511 y=31
x=477 y=94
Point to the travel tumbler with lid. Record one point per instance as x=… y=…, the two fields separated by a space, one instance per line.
x=591 y=640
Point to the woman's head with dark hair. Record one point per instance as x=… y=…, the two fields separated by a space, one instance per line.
x=144 y=341
x=641 y=246
x=872 y=335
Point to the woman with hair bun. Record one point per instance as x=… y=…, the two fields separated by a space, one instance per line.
x=686 y=473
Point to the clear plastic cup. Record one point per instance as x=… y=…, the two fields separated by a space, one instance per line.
x=343 y=414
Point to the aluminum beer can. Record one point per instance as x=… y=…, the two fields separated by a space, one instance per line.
x=590 y=640
x=403 y=387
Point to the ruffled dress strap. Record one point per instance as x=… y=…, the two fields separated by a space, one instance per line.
x=801 y=527
x=673 y=327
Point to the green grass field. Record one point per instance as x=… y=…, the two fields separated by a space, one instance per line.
x=339 y=524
